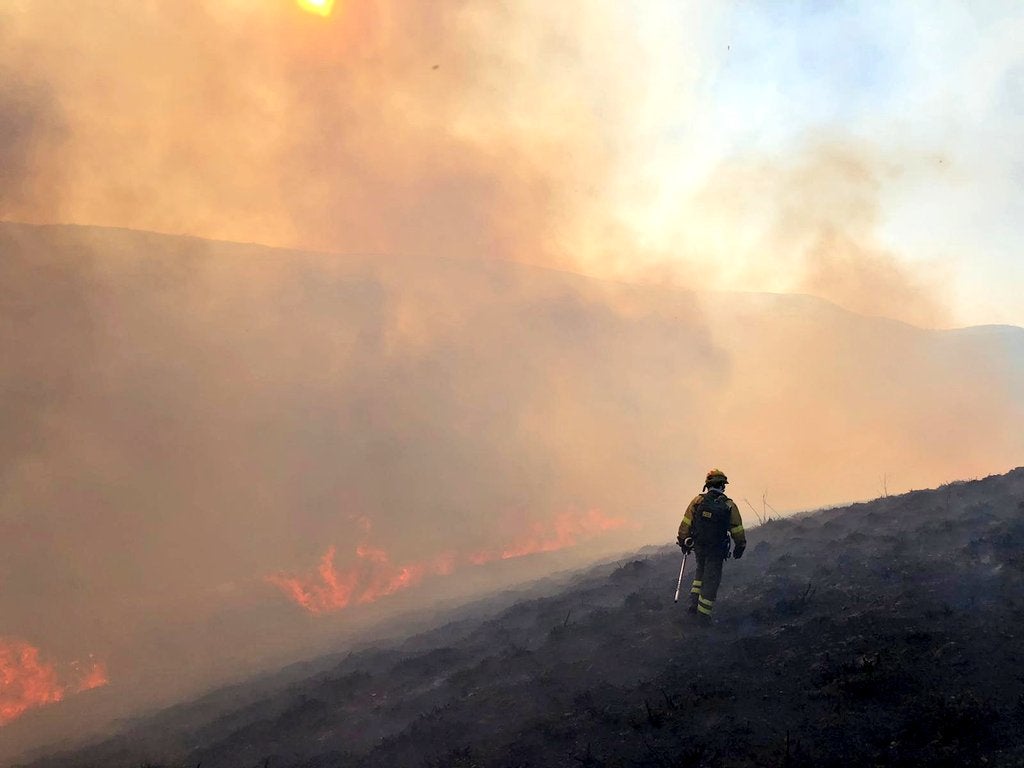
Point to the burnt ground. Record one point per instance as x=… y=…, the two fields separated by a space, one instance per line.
x=887 y=633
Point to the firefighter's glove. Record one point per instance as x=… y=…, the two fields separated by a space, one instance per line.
x=737 y=553
x=685 y=544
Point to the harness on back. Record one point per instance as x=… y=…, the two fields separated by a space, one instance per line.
x=710 y=526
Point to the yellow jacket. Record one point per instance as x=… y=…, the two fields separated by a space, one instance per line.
x=735 y=521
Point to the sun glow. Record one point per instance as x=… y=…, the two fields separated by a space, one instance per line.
x=319 y=7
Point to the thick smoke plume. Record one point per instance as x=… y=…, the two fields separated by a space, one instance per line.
x=458 y=128
x=453 y=128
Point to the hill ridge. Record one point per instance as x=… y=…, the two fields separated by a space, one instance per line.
x=453 y=260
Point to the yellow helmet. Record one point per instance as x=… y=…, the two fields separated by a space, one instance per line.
x=716 y=476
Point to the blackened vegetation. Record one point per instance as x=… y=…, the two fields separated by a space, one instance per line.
x=882 y=634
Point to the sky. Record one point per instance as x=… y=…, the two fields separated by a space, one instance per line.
x=869 y=153
x=205 y=442
x=933 y=93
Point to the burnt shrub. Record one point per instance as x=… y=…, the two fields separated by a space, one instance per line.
x=630 y=571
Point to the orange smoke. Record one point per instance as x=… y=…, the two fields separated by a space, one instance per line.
x=27 y=682
x=374 y=575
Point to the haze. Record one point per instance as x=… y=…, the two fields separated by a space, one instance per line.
x=516 y=306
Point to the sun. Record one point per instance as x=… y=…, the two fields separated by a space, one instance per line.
x=319 y=7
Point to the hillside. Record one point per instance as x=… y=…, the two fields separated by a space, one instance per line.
x=187 y=424
x=883 y=633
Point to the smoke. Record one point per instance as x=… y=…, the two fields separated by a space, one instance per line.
x=185 y=417
x=182 y=433
x=459 y=128
x=462 y=128
x=32 y=127
x=810 y=222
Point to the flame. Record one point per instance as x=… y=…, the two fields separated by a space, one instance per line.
x=319 y=7
x=94 y=677
x=565 y=530
x=27 y=681
x=374 y=575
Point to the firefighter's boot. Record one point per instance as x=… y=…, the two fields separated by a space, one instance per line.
x=704 y=607
x=694 y=596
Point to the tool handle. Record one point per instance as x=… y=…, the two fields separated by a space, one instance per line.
x=679 y=584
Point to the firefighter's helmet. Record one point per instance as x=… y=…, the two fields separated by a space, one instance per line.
x=716 y=477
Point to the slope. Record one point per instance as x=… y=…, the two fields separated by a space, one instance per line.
x=184 y=418
x=883 y=633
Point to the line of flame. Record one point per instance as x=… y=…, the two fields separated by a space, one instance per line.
x=374 y=576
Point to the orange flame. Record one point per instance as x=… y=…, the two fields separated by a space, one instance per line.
x=94 y=677
x=564 y=531
x=27 y=682
x=374 y=576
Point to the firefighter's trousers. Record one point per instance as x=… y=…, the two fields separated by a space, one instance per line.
x=706 y=580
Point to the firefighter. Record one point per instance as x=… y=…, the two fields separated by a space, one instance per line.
x=710 y=520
